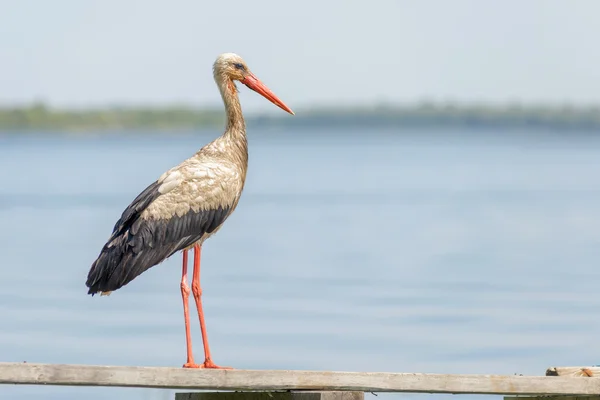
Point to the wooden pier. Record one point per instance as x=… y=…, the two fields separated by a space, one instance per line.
x=303 y=385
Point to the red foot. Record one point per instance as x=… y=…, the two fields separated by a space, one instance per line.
x=210 y=364
x=191 y=365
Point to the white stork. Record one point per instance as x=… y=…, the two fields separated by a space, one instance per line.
x=185 y=206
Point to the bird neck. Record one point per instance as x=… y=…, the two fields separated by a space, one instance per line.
x=236 y=126
x=235 y=129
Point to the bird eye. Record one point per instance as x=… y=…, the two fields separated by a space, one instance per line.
x=239 y=66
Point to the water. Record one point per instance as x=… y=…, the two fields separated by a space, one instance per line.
x=426 y=251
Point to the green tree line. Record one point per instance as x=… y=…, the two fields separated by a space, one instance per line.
x=38 y=116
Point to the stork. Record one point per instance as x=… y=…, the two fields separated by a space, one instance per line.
x=185 y=206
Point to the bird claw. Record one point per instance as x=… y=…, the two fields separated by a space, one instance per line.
x=211 y=365
x=205 y=365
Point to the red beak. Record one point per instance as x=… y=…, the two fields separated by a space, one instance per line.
x=255 y=84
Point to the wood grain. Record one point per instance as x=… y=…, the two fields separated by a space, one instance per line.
x=589 y=372
x=308 y=395
x=269 y=380
x=584 y=397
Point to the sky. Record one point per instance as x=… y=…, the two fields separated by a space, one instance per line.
x=81 y=53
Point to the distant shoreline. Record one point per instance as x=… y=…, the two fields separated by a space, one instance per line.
x=39 y=117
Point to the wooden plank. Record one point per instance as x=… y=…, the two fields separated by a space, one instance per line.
x=180 y=378
x=574 y=371
x=584 y=397
x=308 y=395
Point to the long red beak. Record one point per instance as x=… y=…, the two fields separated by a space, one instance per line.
x=255 y=84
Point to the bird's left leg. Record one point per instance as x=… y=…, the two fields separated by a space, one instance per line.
x=197 y=291
x=185 y=295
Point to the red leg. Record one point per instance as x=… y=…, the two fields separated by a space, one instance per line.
x=197 y=291
x=185 y=295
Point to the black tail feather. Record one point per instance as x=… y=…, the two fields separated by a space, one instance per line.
x=145 y=243
x=122 y=262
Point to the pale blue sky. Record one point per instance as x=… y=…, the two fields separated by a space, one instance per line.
x=83 y=52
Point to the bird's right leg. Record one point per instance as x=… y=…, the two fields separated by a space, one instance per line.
x=197 y=291
x=185 y=295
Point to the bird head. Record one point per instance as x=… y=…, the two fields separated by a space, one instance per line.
x=231 y=67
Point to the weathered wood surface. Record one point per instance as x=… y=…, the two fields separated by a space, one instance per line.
x=584 y=397
x=271 y=396
x=590 y=372
x=252 y=380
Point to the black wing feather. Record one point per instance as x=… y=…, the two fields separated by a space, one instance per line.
x=137 y=244
x=137 y=206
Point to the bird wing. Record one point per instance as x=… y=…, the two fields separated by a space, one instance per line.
x=174 y=212
x=135 y=208
x=193 y=201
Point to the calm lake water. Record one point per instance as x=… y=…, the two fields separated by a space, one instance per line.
x=404 y=251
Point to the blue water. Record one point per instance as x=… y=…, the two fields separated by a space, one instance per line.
x=402 y=251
